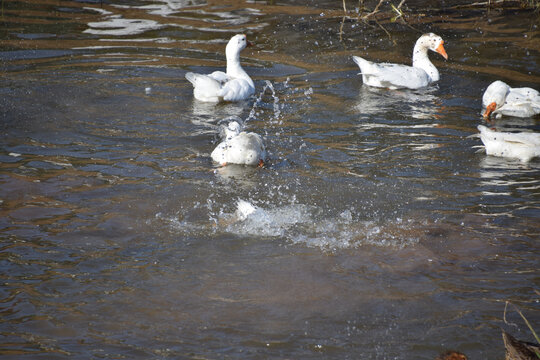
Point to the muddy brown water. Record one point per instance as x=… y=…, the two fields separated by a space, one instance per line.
x=379 y=232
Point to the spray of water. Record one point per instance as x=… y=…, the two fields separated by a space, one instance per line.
x=306 y=225
x=258 y=101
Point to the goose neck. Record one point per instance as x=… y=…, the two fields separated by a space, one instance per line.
x=421 y=60
x=235 y=70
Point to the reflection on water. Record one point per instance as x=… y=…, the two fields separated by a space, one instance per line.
x=375 y=230
x=115 y=25
x=168 y=8
x=419 y=104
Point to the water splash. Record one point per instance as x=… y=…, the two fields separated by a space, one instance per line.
x=294 y=223
x=301 y=224
x=258 y=101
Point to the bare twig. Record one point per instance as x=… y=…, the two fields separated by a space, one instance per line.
x=378 y=6
x=524 y=319
x=396 y=9
x=488 y=3
x=504 y=316
x=398 y=12
x=341 y=28
x=376 y=10
x=386 y=31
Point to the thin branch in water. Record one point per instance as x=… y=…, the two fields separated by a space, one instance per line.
x=341 y=28
x=524 y=319
x=504 y=317
x=396 y=9
x=488 y=4
x=398 y=12
x=376 y=10
x=386 y=31
x=378 y=6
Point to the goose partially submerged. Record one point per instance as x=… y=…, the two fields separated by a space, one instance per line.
x=234 y=85
x=521 y=145
x=239 y=147
x=500 y=99
x=396 y=76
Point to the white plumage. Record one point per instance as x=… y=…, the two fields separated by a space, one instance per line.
x=234 y=85
x=520 y=145
x=500 y=99
x=396 y=76
x=243 y=148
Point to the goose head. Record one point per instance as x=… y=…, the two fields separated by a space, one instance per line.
x=233 y=129
x=236 y=44
x=230 y=130
x=494 y=97
x=432 y=42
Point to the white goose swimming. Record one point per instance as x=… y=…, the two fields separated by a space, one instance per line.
x=521 y=145
x=500 y=99
x=235 y=85
x=396 y=76
x=239 y=147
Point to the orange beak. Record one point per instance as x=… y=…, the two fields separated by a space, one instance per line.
x=261 y=163
x=440 y=50
x=489 y=109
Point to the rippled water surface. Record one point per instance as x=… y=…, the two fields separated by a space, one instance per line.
x=380 y=230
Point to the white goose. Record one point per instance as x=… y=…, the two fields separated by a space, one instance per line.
x=500 y=99
x=235 y=85
x=239 y=147
x=396 y=76
x=521 y=145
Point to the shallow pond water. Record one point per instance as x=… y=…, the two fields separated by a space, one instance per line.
x=379 y=232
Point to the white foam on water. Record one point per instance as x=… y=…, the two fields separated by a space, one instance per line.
x=305 y=225
x=258 y=221
x=244 y=209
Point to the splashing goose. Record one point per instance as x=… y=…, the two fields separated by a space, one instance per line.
x=521 y=145
x=243 y=148
x=396 y=76
x=235 y=85
x=500 y=99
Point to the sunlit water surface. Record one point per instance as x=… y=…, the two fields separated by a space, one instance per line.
x=380 y=230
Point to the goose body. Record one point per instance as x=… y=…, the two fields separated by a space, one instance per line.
x=500 y=99
x=234 y=85
x=397 y=76
x=243 y=148
x=522 y=145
